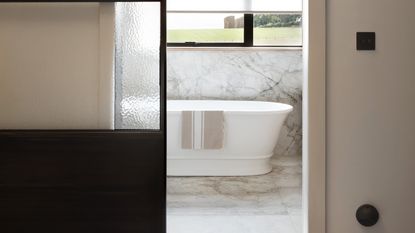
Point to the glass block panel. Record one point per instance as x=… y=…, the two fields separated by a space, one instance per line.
x=137 y=65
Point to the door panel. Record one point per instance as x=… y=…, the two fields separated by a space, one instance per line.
x=50 y=71
x=82 y=181
x=77 y=180
x=81 y=210
x=370 y=116
x=80 y=159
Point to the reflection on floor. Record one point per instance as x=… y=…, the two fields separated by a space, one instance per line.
x=269 y=203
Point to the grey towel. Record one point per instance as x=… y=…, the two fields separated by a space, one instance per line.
x=202 y=129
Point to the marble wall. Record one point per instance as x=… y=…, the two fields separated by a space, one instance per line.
x=265 y=75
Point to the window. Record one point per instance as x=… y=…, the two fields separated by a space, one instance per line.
x=277 y=30
x=230 y=29
x=234 y=23
x=205 y=28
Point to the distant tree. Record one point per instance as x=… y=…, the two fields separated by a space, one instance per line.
x=270 y=20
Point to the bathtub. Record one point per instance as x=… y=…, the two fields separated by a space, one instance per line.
x=250 y=135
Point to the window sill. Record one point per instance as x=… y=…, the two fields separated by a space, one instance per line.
x=234 y=48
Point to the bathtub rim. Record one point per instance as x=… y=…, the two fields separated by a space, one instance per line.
x=216 y=167
x=285 y=108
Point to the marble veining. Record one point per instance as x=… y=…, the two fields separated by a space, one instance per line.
x=242 y=75
x=257 y=204
x=233 y=224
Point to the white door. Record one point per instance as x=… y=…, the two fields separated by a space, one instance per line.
x=370 y=115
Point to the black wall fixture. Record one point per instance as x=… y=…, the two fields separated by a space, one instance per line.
x=365 y=40
x=86 y=181
x=367 y=215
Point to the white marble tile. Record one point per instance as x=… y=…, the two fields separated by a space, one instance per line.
x=230 y=224
x=295 y=160
x=297 y=220
x=288 y=176
x=266 y=203
x=242 y=75
x=291 y=199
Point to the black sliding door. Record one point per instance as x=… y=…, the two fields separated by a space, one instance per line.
x=104 y=170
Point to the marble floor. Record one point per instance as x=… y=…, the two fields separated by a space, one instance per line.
x=268 y=203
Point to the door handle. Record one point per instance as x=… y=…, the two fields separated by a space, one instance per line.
x=367 y=215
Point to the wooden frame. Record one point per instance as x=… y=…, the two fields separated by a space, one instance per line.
x=82 y=181
x=87 y=180
x=314 y=117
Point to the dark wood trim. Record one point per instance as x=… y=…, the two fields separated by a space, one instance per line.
x=163 y=110
x=75 y=1
x=53 y=151
x=163 y=66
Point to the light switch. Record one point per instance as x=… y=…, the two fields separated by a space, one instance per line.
x=365 y=41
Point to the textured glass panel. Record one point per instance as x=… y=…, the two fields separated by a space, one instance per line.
x=137 y=65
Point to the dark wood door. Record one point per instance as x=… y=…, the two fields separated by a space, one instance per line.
x=85 y=181
x=82 y=182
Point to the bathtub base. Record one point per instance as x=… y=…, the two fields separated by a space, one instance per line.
x=218 y=167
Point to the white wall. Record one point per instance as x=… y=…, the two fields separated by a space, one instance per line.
x=370 y=115
x=50 y=67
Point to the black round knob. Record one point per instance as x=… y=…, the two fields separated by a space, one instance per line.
x=367 y=215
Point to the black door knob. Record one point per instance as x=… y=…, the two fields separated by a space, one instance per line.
x=367 y=215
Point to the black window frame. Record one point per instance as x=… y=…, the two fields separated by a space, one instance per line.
x=248 y=38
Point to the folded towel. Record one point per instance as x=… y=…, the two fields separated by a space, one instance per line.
x=202 y=129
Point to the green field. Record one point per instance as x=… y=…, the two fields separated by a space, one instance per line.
x=262 y=36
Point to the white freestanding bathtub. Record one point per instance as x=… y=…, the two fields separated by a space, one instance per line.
x=251 y=131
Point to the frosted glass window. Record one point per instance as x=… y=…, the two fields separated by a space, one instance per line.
x=137 y=65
